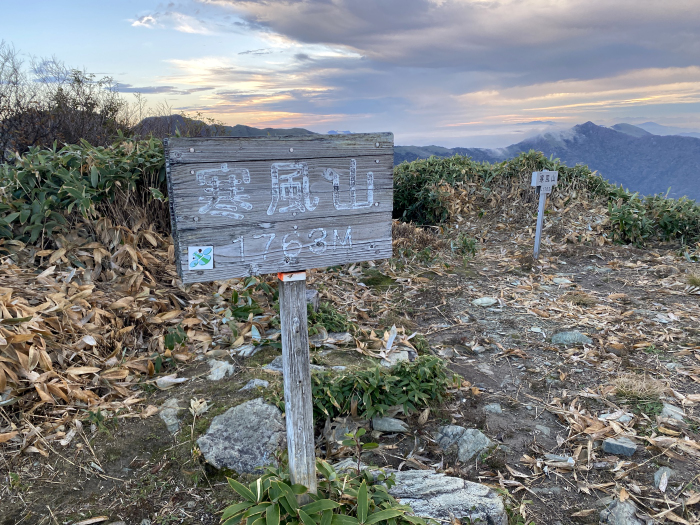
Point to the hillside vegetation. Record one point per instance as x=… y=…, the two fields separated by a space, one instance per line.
x=626 y=155
x=49 y=191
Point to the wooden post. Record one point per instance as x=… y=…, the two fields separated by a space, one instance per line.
x=297 y=380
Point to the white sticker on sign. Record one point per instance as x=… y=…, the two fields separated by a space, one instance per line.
x=200 y=257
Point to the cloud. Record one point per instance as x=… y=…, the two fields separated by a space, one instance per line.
x=452 y=70
x=156 y=90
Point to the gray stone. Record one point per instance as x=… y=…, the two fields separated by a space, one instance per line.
x=117 y=523
x=244 y=438
x=255 y=383
x=276 y=365
x=672 y=411
x=484 y=301
x=493 y=408
x=145 y=521
x=168 y=413
x=389 y=424
x=545 y=430
x=621 y=513
x=396 y=357
x=219 y=369
x=437 y=496
x=571 y=338
x=478 y=349
x=468 y=442
x=659 y=473
x=619 y=446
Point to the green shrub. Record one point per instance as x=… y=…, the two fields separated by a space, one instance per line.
x=411 y=385
x=629 y=222
x=43 y=189
x=426 y=191
x=347 y=499
x=329 y=318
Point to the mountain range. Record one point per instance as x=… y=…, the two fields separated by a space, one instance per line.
x=624 y=154
x=647 y=158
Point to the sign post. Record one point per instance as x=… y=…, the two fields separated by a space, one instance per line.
x=261 y=205
x=544 y=181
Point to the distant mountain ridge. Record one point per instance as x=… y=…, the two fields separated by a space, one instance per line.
x=624 y=154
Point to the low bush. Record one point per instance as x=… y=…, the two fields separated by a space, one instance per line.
x=44 y=190
x=352 y=498
x=372 y=392
x=439 y=190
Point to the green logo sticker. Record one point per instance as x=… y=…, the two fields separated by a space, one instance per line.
x=201 y=257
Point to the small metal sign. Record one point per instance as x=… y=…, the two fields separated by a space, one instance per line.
x=544 y=181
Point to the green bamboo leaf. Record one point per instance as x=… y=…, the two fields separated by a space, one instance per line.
x=232 y=510
x=327 y=517
x=242 y=490
x=362 y=502
x=306 y=519
x=319 y=506
x=382 y=515
x=272 y=515
x=342 y=519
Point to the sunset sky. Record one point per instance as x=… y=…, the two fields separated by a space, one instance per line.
x=483 y=73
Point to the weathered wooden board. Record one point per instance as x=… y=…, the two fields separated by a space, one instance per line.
x=244 y=206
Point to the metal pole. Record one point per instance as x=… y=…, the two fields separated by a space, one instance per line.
x=540 y=217
x=297 y=381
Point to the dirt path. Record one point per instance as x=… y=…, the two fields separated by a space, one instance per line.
x=530 y=396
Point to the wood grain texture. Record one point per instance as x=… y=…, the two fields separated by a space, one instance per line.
x=262 y=208
x=228 y=149
x=297 y=384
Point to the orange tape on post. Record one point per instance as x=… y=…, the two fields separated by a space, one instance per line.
x=292 y=276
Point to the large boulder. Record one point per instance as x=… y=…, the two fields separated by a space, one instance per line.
x=244 y=438
x=437 y=496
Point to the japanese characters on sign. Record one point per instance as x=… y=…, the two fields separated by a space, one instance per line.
x=546 y=180
x=246 y=206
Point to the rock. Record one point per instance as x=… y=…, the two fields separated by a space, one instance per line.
x=673 y=366
x=478 y=349
x=484 y=301
x=117 y=523
x=219 y=369
x=545 y=430
x=145 y=522
x=255 y=383
x=340 y=338
x=621 y=513
x=619 y=446
x=168 y=413
x=468 y=442
x=659 y=474
x=276 y=365
x=446 y=352
x=312 y=299
x=493 y=408
x=244 y=438
x=389 y=424
x=672 y=412
x=396 y=357
x=437 y=496
x=248 y=350
x=571 y=338
x=561 y=280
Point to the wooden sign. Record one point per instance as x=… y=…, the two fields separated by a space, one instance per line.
x=544 y=181
x=257 y=205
